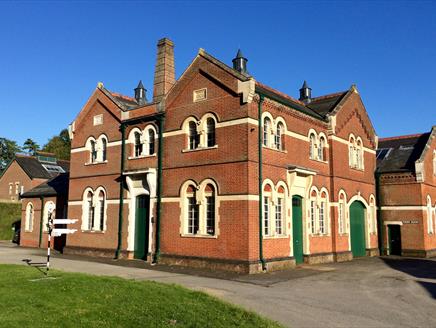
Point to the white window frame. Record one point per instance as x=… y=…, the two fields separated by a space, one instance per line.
x=200 y=197
x=30 y=213
x=430 y=228
x=45 y=214
x=96 y=205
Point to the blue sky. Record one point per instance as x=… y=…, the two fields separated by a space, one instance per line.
x=52 y=54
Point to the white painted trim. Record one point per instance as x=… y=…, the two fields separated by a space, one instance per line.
x=403 y=208
x=346 y=142
x=79 y=202
x=393 y=222
x=109 y=144
x=221 y=198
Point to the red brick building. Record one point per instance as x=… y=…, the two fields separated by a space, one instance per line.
x=406 y=174
x=219 y=170
x=26 y=172
x=34 y=209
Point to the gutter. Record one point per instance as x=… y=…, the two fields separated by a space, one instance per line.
x=259 y=113
x=380 y=231
x=40 y=220
x=121 y=206
x=159 y=187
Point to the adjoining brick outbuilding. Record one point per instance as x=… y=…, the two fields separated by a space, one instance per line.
x=34 y=217
x=25 y=172
x=221 y=171
x=406 y=174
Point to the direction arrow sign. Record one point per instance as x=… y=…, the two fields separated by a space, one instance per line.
x=64 y=221
x=58 y=232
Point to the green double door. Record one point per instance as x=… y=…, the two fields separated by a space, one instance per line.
x=141 y=227
x=297 y=228
x=357 y=229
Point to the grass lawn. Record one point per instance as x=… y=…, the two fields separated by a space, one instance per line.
x=79 y=300
x=9 y=213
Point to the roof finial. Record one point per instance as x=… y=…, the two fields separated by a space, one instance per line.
x=305 y=93
x=141 y=94
x=240 y=62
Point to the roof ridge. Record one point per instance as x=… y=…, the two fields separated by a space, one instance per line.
x=117 y=94
x=330 y=95
x=407 y=136
x=281 y=93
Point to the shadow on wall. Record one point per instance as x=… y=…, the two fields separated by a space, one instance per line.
x=418 y=268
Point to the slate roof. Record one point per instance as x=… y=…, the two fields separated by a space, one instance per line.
x=325 y=104
x=34 y=168
x=403 y=152
x=54 y=187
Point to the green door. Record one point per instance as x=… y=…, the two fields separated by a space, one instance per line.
x=141 y=227
x=357 y=229
x=297 y=229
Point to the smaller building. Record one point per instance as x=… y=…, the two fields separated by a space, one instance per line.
x=26 y=172
x=406 y=176
x=34 y=217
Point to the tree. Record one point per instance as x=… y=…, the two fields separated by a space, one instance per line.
x=8 y=149
x=30 y=146
x=59 y=145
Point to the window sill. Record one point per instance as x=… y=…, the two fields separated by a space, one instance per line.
x=93 y=231
x=142 y=156
x=186 y=235
x=357 y=169
x=199 y=149
x=276 y=237
x=96 y=163
x=320 y=235
x=275 y=149
x=318 y=160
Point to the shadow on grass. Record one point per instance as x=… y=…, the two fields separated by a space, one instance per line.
x=418 y=268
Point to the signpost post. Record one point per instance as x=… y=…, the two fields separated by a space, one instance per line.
x=55 y=231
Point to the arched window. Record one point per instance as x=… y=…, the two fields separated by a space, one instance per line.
x=323 y=214
x=210 y=132
x=266 y=128
x=210 y=209
x=358 y=154
x=29 y=217
x=194 y=137
x=101 y=207
x=46 y=214
x=138 y=145
x=90 y=210
x=313 y=207
x=103 y=149
x=341 y=214
x=280 y=211
x=321 y=149
x=312 y=146
x=278 y=140
x=193 y=211
x=429 y=216
x=93 y=154
x=151 y=142
x=267 y=210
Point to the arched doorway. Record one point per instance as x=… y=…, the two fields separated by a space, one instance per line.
x=297 y=228
x=357 y=229
x=141 y=226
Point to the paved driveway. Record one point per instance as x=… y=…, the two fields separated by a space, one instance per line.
x=368 y=292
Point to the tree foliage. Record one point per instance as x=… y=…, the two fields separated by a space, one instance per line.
x=59 y=145
x=30 y=146
x=8 y=148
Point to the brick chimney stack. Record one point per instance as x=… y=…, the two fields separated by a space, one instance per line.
x=164 y=74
